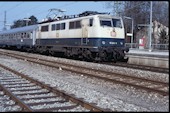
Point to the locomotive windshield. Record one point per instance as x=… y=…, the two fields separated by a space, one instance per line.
x=116 y=23
x=110 y=22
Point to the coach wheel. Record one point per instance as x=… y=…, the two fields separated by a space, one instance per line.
x=51 y=52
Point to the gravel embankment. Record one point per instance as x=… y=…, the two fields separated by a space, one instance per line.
x=104 y=94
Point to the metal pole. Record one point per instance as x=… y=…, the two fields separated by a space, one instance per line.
x=4 y=21
x=132 y=34
x=150 y=41
x=131 y=42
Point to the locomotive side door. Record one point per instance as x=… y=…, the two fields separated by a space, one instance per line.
x=39 y=35
x=84 y=25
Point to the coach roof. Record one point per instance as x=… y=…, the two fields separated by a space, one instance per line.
x=19 y=30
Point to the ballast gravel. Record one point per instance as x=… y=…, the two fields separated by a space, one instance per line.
x=105 y=94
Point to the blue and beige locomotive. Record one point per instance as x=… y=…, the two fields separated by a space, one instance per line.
x=90 y=35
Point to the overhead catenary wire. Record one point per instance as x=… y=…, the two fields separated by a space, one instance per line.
x=33 y=8
x=12 y=7
x=41 y=12
x=44 y=11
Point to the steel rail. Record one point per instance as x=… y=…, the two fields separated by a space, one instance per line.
x=70 y=97
x=53 y=64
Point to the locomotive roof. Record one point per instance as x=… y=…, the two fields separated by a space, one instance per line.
x=21 y=29
x=85 y=14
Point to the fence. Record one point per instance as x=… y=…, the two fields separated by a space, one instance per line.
x=154 y=46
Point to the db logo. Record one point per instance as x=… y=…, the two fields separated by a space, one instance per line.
x=113 y=33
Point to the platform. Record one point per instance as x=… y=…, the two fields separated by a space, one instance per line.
x=149 y=58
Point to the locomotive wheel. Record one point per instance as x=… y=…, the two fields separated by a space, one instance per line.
x=86 y=54
x=103 y=55
x=68 y=53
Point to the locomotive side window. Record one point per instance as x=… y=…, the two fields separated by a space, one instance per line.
x=71 y=25
x=106 y=23
x=91 y=22
x=75 y=25
x=57 y=26
x=44 y=28
x=53 y=27
x=62 y=27
x=78 y=25
x=116 y=23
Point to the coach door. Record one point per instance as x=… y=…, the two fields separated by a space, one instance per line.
x=84 y=24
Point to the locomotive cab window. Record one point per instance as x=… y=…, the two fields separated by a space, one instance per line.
x=116 y=23
x=106 y=23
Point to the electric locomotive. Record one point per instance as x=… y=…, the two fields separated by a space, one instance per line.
x=90 y=35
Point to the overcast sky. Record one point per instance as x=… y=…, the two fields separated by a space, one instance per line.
x=40 y=9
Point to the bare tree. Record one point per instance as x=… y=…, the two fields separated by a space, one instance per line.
x=140 y=12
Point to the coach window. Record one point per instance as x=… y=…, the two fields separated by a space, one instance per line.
x=22 y=35
x=28 y=35
x=25 y=35
x=19 y=35
x=44 y=28
x=9 y=35
x=15 y=36
x=12 y=35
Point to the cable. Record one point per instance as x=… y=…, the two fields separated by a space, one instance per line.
x=14 y=6
x=44 y=11
x=58 y=7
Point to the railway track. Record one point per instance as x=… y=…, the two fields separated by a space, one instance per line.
x=137 y=82
x=31 y=95
x=141 y=67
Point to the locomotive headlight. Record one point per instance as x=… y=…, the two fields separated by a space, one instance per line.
x=121 y=43
x=103 y=42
